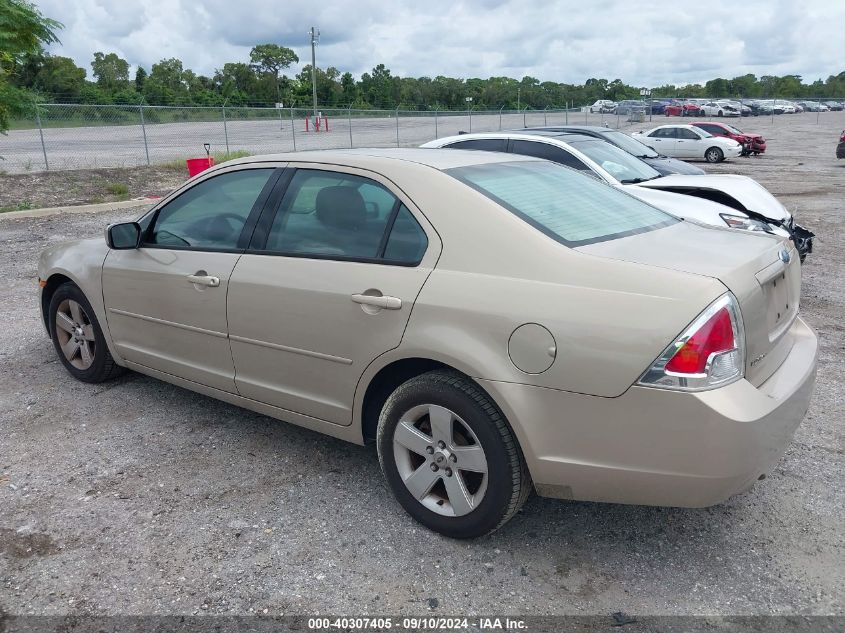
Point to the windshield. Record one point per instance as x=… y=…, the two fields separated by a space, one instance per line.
x=703 y=132
x=621 y=165
x=630 y=145
x=733 y=129
x=566 y=205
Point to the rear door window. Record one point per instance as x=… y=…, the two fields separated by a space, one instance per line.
x=548 y=152
x=487 y=144
x=335 y=215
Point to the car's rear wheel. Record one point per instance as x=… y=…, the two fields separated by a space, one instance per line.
x=78 y=338
x=714 y=155
x=450 y=457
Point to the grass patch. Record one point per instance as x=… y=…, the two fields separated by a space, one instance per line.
x=23 y=205
x=219 y=157
x=117 y=189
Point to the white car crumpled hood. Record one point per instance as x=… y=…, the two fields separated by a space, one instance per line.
x=746 y=191
x=687 y=207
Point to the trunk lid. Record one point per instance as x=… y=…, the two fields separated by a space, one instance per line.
x=752 y=266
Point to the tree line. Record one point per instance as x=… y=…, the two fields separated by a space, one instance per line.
x=29 y=74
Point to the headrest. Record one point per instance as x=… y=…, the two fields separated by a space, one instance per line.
x=341 y=207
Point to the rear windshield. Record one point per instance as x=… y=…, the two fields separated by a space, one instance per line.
x=630 y=145
x=572 y=208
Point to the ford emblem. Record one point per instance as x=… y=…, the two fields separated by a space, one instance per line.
x=785 y=256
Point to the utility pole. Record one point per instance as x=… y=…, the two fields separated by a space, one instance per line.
x=315 y=38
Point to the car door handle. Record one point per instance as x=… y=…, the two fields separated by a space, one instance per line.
x=388 y=303
x=204 y=280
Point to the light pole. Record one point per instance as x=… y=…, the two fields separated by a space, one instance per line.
x=646 y=92
x=315 y=39
x=518 y=90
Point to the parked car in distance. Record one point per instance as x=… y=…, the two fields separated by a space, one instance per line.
x=682 y=109
x=659 y=107
x=751 y=143
x=615 y=360
x=814 y=106
x=786 y=106
x=663 y=164
x=840 y=148
x=630 y=105
x=719 y=108
x=688 y=142
x=834 y=106
x=602 y=105
x=743 y=108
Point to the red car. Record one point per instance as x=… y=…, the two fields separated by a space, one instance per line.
x=751 y=143
x=685 y=109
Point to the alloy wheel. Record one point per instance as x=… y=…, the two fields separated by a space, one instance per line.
x=440 y=460
x=75 y=334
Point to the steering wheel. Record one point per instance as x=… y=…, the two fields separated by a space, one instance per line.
x=232 y=216
x=209 y=227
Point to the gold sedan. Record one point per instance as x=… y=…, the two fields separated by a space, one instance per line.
x=495 y=324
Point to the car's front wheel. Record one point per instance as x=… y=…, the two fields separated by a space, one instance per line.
x=450 y=457
x=78 y=338
x=714 y=155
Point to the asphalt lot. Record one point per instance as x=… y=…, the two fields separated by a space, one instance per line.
x=137 y=497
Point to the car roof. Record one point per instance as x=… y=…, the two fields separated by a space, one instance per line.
x=686 y=125
x=583 y=129
x=440 y=159
x=565 y=137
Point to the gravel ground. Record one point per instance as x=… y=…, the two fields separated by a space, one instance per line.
x=137 y=497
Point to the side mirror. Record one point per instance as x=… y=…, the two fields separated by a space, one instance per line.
x=123 y=236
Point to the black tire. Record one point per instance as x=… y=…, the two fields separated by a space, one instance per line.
x=714 y=155
x=508 y=484
x=103 y=366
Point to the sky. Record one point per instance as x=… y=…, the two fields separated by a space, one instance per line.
x=645 y=43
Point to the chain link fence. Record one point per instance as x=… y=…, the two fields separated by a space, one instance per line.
x=73 y=136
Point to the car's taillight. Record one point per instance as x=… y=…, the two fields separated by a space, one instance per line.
x=710 y=353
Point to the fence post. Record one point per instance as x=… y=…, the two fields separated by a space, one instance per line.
x=818 y=111
x=435 y=123
x=225 y=129
x=144 y=131
x=545 y=120
x=41 y=134
x=566 y=111
x=293 y=128
x=349 y=119
x=470 y=119
x=397 y=126
x=500 y=118
x=524 y=123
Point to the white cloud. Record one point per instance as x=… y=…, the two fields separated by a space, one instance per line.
x=645 y=43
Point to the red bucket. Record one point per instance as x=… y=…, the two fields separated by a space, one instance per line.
x=197 y=165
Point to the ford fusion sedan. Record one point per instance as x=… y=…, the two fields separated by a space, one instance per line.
x=495 y=324
x=688 y=142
